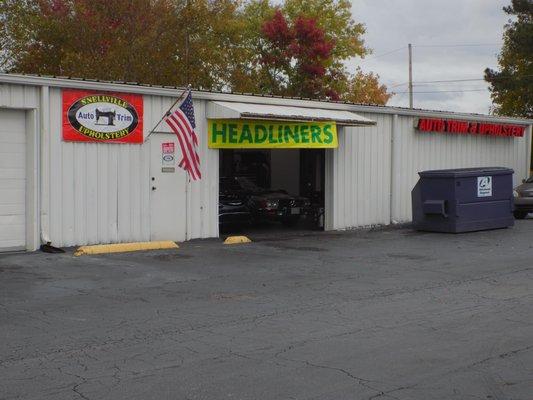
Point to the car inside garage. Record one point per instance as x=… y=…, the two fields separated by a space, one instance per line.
x=271 y=189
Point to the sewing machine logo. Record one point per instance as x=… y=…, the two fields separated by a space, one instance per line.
x=106 y=114
x=103 y=117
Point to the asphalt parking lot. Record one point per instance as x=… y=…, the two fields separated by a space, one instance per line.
x=384 y=314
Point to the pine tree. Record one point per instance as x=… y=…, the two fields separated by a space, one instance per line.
x=512 y=86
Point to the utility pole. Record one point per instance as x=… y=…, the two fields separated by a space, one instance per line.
x=410 y=76
x=187 y=44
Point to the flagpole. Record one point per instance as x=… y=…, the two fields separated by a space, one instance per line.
x=168 y=111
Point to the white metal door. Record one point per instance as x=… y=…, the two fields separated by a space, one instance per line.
x=12 y=180
x=168 y=185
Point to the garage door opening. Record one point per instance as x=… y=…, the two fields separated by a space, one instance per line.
x=271 y=190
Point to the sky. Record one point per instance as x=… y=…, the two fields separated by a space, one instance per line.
x=435 y=28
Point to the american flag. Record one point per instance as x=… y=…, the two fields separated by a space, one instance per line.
x=182 y=122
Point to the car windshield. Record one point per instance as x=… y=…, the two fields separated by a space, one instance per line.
x=248 y=185
x=238 y=184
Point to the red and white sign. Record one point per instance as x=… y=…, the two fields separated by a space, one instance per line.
x=168 y=148
x=102 y=117
x=469 y=127
x=168 y=157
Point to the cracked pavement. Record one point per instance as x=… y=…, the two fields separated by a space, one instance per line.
x=371 y=314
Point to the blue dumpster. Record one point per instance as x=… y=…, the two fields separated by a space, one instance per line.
x=463 y=200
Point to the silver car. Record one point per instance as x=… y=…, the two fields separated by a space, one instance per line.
x=523 y=199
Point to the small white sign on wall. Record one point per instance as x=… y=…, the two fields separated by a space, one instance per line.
x=168 y=159
x=484 y=186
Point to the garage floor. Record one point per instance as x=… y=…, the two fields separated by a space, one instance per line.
x=390 y=314
x=261 y=230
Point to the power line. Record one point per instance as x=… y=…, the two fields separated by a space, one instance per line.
x=430 y=45
x=384 y=54
x=448 y=91
x=399 y=84
x=432 y=82
x=458 y=45
x=415 y=83
x=450 y=81
x=459 y=80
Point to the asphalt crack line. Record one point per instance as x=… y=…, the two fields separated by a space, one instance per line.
x=360 y=381
x=388 y=392
x=500 y=356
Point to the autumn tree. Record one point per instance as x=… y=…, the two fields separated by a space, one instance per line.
x=365 y=88
x=102 y=39
x=512 y=86
x=209 y=37
x=301 y=50
x=168 y=42
x=296 y=56
x=336 y=19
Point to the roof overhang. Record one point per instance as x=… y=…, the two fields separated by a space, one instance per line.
x=231 y=110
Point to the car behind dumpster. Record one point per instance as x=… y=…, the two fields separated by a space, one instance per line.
x=523 y=199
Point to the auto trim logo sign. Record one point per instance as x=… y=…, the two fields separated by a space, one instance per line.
x=102 y=117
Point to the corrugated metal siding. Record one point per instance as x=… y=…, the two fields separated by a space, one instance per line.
x=366 y=194
x=100 y=193
x=361 y=175
x=202 y=205
x=423 y=151
x=18 y=96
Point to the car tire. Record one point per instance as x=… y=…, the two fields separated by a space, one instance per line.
x=520 y=214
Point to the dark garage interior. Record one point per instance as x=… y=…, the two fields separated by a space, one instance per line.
x=271 y=190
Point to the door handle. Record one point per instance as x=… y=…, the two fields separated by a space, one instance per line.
x=153 y=188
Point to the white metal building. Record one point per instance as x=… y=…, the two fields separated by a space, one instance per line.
x=76 y=193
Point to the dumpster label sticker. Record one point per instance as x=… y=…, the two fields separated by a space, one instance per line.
x=484 y=186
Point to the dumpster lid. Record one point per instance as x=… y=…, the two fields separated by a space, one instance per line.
x=465 y=172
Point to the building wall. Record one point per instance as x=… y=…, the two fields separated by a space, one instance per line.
x=375 y=168
x=418 y=151
x=85 y=193
x=100 y=193
x=361 y=175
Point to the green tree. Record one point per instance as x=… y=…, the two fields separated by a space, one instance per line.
x=512 y=86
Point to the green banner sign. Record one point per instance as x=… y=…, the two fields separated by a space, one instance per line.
x=248 y=134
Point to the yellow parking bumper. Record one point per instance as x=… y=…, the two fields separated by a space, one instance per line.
x=124 y=247
x=237 y=240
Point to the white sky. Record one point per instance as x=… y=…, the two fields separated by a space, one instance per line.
x=392 y=24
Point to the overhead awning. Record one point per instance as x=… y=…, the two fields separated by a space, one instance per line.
x=231 y=110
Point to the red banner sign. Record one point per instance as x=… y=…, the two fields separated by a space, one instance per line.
x=469 y=127
x=102 y=117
